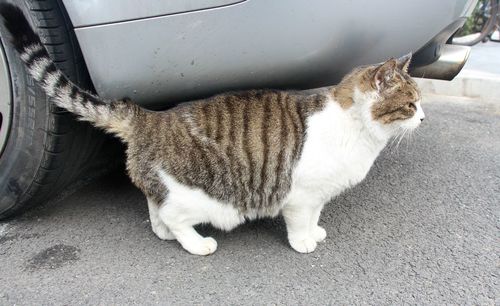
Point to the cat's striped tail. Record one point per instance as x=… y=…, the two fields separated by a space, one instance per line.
x=114 y=117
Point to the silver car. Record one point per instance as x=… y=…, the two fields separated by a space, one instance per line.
x=160 y=53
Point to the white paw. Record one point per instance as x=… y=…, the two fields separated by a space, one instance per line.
x=306 y=245
x=318 y=233
x=162 y=231
x=205 y=246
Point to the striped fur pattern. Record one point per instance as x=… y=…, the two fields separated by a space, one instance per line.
x=242 y=155
x=245 y=146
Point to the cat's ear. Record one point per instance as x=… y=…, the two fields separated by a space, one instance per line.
x=384 y=73
x=404 y=62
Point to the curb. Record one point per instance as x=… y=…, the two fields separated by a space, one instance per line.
x=483 y=87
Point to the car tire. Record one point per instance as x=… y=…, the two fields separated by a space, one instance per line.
x=44 y=147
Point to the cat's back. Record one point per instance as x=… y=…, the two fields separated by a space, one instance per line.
x=230 y=118
x=253 y=113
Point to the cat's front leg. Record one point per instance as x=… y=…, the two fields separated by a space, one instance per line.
x=300 y=229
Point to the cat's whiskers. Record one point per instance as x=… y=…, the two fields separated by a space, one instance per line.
x=394 y=139
x=417 y=132
x=401 y=138
x=397 y=140
x=409 y=139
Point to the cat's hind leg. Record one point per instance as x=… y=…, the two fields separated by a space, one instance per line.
x=180 y=217
x=157 y=225
x=182 y=209
x=186 y=206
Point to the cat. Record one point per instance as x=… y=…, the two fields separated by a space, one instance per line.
x=242 y=155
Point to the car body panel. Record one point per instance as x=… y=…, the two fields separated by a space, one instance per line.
x=87 y=13
x=161 y=60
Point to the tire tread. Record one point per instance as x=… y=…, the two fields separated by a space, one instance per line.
x=70 y=146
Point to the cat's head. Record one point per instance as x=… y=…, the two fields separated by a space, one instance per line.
x=388 y=97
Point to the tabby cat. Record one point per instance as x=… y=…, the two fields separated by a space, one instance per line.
x=242 y=155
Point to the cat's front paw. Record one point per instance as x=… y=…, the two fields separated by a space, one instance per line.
x=205 y=246
x=305 y=245
x=318 y=233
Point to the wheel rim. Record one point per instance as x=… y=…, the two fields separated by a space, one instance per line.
x=5 y=100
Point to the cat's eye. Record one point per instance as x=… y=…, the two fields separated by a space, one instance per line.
x=412 y=106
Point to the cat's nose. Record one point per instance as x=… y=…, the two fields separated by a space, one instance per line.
x=421 y=119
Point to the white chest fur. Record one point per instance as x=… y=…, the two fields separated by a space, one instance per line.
x=337 y=154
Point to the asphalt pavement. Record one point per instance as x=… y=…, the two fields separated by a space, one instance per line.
x=423 y=228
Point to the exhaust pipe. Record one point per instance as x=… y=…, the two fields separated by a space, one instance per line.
x=448 y=65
